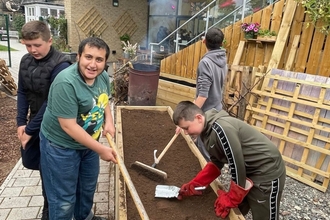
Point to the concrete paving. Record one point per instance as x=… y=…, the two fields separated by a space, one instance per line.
x=20 y=194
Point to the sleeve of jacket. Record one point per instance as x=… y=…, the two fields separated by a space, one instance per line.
x=22 y=103
x=204 y=79
x=34 y=125
x=228 y=147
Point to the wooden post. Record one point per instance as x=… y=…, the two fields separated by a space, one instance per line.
x=282 y=37
x=292 y=54
x=237 y=60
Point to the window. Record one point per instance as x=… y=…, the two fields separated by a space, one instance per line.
x=31 y=12
x=160 y=7
x=44 y=12
x=53 y=12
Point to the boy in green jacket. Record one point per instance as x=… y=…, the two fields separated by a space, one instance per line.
x=256 y=165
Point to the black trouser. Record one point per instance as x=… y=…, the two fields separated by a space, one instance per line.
x=31 y=153
x=264 y=199
x=31 y=159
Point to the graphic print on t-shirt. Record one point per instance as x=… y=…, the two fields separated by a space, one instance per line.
x=93 y=120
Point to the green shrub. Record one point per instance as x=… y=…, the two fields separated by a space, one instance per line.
x=18 y=22
x=318 y=11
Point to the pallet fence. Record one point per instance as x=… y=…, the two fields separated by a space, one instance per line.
x=293 y=111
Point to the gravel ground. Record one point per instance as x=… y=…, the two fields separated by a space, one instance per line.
x=299 y=201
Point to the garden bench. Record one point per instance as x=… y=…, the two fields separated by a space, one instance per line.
x=12 y=34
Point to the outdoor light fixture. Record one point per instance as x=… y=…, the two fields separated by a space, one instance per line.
x=115 y=3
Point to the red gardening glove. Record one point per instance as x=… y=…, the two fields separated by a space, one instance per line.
x=231 y=199
x=203 y=178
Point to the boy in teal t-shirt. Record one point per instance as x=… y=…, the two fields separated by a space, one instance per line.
x=78 y=106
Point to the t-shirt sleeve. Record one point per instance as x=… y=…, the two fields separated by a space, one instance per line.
x=64 y=102
x=105 y=76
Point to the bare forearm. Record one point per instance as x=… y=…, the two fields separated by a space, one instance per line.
x=199 y=101
x=81 y=136
x=108 y=115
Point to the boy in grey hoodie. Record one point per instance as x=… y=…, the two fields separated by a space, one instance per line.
x=211 y=76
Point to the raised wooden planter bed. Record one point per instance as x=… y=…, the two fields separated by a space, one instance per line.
x=140 y=131
x=173 y=89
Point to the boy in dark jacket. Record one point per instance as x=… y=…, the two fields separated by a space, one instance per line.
x=256 y=165
x=37 y=71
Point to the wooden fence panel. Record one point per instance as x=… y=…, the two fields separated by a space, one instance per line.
x=178 y=63
x=293 y=110
x=315 y=52
x=277 y=16
x=196 y=58
x=228 y=33
x=236 y=38
x=304 y=47
x=296 y=29
x=325 y=64
x=311 y=57
x=184 y=62
x=190 y=62
x=264 y=51
x=168 y=64
x=266 y=17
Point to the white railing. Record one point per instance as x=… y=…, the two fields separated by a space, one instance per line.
x=234 y=13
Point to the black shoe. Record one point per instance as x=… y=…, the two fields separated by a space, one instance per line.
x=45 y=213
x=98 y=218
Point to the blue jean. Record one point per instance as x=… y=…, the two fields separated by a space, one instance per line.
x=70 y=178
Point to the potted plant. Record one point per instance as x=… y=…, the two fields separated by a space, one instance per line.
x=125 y=37
x=266 y=34
x=250 y=30
x=129 y=49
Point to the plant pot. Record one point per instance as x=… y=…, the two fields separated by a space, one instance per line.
x=126 y=55
x=269 y=38
x=250 y=35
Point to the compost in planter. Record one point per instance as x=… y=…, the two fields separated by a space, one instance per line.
x=143 y=132
x=143 y=84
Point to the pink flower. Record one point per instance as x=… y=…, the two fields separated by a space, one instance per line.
x=250 y=27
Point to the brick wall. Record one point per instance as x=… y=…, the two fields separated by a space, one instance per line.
x=137 y=9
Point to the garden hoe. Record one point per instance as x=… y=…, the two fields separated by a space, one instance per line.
x=150 y=171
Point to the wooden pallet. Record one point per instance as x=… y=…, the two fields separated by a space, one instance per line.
x=236 y=93
x=293 y=111
x=6 y=79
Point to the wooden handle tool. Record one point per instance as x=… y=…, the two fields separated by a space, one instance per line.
x=165 y=149
x=128 y=181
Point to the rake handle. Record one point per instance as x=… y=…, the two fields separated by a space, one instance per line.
x=128 y=180
x=167 y=146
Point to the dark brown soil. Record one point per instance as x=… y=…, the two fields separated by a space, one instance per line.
x=9 y=143
x=143 y=132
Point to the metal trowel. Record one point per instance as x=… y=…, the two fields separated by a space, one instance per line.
x=166 y=191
